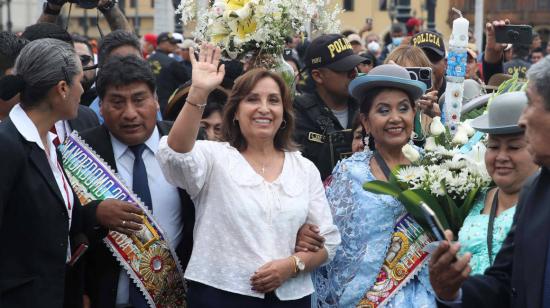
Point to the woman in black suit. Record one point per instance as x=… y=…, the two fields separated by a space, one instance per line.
x=40 y=217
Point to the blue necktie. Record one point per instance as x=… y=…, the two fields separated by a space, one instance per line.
x=141 y=189
x=139 y=177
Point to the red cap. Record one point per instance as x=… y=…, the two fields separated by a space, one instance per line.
x=151 y=39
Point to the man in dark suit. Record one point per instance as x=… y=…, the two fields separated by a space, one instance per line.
x=126 y=87
x=520 y=275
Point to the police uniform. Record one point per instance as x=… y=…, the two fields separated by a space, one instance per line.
x=323 y=139
x=169 y=73
x=517 y=65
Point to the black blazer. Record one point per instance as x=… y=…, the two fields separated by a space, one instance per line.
x=86 y=119
x=102 y=268
x=34 y=227
x=516 y=278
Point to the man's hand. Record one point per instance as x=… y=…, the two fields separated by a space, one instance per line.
x=119 y=216
x=493 y=50
x=308 y=239
x=272 y=275
x=447 y=272
x=428 y=104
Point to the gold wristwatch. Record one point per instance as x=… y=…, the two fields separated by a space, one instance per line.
x=299 y=265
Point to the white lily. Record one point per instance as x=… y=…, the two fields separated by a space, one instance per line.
x=430 y=144
x=475 y=158
x=436 y=127
x=410 y=153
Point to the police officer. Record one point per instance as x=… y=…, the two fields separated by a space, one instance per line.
x=433 y=46
x=324 y=117
x=169 y=73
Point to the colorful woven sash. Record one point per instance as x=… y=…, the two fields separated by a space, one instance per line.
x=404 y=259
x=146 y=255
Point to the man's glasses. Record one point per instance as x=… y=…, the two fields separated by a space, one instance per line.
x=85 y=59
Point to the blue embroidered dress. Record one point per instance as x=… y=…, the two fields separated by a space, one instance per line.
x=366 y=222
x=473 y=234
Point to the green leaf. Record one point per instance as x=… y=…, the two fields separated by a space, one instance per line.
x=411 y=201
x=453 y=214
x=433 y=203
x=382 y=188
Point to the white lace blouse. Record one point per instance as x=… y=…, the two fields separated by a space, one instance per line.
x=243 y=221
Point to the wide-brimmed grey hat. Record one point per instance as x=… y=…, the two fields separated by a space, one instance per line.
x=503 y=114
x=386 y=76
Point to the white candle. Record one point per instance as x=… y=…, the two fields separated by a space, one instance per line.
x=460 y=32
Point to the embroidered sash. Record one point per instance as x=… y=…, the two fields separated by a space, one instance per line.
x=404 y=259
x=146 y=255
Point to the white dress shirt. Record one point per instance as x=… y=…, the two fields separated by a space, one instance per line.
x=165 y=197
x=28 y=130
x=63 y=130
x=242 y=221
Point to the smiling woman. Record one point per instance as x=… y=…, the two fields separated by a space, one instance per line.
x=509 y=164
x=252 y=193
x=374 y=267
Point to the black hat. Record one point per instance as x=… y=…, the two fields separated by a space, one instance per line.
x=167 y=36
x=430 y=41
x=331 y=51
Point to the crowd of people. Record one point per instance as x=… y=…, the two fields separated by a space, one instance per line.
x=258 y=186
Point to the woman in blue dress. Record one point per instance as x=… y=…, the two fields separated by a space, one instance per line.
x=380 y=261
x=509 y=164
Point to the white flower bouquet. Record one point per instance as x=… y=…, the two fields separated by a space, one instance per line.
x=447 y=176
x=242 y=26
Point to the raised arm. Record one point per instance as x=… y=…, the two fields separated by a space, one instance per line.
x=109 y=9
x=206 y=76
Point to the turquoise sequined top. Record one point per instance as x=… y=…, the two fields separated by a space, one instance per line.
x=473 y=234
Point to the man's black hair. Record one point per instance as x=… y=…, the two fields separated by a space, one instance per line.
x=538 y=49
x=46 y=30
x=10 y=46
x=212 y=107
x=114 y=40
x=520 y=51
x=121 y=71
x=83 y=40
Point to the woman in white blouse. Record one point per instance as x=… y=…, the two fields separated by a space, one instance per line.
x=252 y=193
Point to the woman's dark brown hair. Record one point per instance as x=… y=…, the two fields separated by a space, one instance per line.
x=243 y=86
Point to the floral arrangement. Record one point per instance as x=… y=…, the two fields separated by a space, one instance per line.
x=447 y=176
x=242 y=26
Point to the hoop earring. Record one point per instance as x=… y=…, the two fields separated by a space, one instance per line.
x=283 y=126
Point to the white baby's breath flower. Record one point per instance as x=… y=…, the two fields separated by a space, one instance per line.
x=436 y=127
